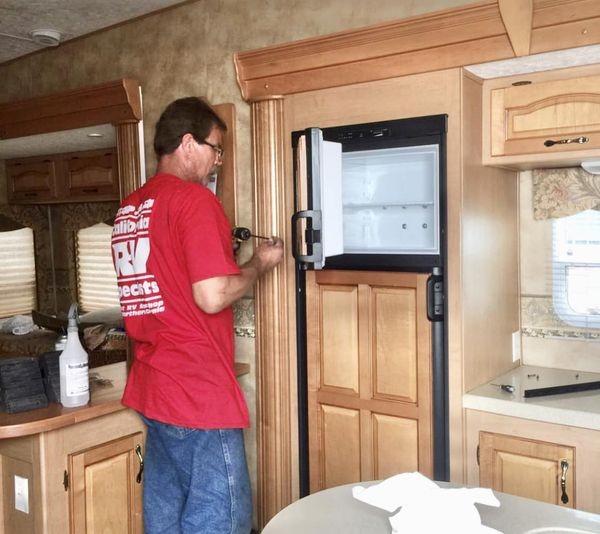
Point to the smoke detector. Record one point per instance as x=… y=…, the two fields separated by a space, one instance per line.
x=46 y=37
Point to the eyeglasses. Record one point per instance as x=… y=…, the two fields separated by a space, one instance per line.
x=219 y=151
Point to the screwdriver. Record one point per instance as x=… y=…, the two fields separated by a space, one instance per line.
x=243 y=234
x=509 y=388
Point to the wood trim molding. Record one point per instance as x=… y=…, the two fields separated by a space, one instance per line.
x=226 y=177
x=275 y=334
x=445 y=39
x=114 y=102
x=128 y=156
x=517 y=16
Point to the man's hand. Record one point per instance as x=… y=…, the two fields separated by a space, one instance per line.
x=215 y=294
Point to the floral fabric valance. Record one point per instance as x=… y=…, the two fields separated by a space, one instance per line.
x=563 y=192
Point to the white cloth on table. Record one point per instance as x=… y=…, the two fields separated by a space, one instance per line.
x=426 y=508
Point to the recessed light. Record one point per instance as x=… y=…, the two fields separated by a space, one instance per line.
x=95 y=134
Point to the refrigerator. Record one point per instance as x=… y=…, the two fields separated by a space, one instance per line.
x=373 y=197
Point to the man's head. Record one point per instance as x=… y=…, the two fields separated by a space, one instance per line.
x=188 y=139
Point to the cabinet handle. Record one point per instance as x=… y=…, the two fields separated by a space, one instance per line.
x=30 y=194
x=138 y=451
x=90 y=190
x=564 y=466
x=579 y=140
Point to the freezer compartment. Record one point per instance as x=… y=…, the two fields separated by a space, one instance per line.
x=391 y=176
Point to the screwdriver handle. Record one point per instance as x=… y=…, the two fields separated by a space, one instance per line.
x=243 y=234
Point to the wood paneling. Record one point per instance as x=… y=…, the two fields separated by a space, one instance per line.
x=526 y=468
x=110 y=103
x=403 y=456
x=517 y=16
x=339 y=430
x=394 y=334
x=453 y=38
x=226 y=180
x=586 y=444
x=383 y=424
x=528 y=115
x=556 y=104
x=340 y=321
x=275 y=319
x=104 y=494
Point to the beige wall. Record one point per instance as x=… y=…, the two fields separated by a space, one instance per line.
x=188 y=50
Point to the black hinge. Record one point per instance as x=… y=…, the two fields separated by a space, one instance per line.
x=477 y=454
x=66 y=480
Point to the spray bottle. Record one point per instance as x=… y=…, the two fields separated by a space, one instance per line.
x=73 y=365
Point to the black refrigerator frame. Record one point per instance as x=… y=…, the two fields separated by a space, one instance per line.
x=407 y=132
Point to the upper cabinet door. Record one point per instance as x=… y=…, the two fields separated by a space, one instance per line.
x=544 y=121
x=317 y=225
x=32 y=180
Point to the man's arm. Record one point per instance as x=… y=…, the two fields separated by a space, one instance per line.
x=215 y=294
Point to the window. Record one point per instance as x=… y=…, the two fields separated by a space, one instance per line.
x=17 y=273
x=576 y=269
x=96 y=278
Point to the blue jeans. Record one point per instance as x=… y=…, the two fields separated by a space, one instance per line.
x=195 y=481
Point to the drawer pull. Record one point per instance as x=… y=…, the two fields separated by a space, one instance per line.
x=138 y=451
x=90 y=190
x=564 y=466
x=578 y=140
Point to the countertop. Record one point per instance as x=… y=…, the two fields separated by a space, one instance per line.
x=103 y=400
x=580 y=409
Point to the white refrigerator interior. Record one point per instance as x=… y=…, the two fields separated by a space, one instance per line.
x=390 y=200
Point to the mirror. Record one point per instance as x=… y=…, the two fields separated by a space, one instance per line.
x=102 y=123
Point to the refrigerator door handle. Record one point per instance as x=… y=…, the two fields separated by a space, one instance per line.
x=435 y=298
x=312 y=238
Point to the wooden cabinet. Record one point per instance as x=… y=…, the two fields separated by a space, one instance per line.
x=74 y=177
x=92 y=176
x=525 y=457
x=32 y=180
x=527 y=468
x=105 y=492
x=82 y=478
x=538 y=120
x=369 y=376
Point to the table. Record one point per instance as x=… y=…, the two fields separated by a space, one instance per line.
x=335 y=511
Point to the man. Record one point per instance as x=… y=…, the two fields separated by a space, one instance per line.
x=177 y=278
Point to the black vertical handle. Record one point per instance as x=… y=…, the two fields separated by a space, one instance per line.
x=313 y=236
x=435 y=298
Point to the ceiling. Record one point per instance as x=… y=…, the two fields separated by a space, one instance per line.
x=70 y=18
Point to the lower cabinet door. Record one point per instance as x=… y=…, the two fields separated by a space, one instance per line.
x=534 y=469
x=105 y=490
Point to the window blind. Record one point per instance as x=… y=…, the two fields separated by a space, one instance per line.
x=17 y=273
x=96 y=278
x=576 y=269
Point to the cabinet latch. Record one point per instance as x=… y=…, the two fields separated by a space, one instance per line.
x=66 y=480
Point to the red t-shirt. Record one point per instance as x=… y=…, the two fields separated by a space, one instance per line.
x=167 y=235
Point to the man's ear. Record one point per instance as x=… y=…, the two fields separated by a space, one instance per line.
x=187 y=143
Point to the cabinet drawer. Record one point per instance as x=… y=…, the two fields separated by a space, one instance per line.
x=524 y=118
x=31 y=181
